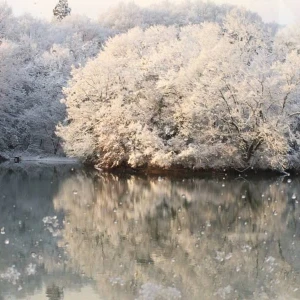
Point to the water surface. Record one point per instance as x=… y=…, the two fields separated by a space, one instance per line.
x=67 y=233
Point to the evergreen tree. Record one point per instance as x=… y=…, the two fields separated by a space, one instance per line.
x=62 y=10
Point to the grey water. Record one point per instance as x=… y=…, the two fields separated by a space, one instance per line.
x=70 y=233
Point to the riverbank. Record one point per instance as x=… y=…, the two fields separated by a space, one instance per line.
x=39 y=160
x=187 y=172
x=148 y=171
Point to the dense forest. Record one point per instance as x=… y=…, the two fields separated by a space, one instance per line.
x=193 y=85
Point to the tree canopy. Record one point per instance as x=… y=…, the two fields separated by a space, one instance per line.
x=198 y=96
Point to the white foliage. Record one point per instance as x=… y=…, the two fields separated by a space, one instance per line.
x=202 y=96
x=220 y=93
x=36 y=60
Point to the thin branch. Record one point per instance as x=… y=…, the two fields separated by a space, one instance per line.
x=285 y=100
x=294 y=114
x=229 y=110
x=223 y=97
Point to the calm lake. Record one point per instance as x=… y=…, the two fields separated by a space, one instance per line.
x=67 y=233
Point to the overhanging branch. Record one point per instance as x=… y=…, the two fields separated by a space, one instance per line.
x=294 y=114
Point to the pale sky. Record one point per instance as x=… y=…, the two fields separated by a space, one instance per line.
x=282 y=11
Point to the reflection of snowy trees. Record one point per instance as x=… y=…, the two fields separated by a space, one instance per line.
x=32 y=259
x=211 y=238
x=215 y=238
x=54 y=293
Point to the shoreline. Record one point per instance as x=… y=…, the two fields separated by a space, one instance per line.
x=38 y=160
x=146 y=171
x=185 y=172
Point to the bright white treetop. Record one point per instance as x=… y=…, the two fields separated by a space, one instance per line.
x=199 y=96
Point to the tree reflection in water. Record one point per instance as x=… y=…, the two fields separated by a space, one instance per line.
x=32 y=260
x=138 y=237
x=53 y=292
x=191 y=238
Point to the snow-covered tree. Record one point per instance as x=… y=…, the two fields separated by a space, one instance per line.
x=6 y=18
x=126 y=16
x=199 y=96
x=36 y=60
x=234 y=88
x=61 y=10
x=221 y=92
